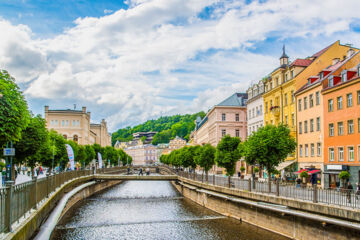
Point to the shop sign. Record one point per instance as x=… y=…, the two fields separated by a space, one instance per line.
x=334 y=167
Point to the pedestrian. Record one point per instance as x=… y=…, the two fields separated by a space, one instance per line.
x=147 y=171
x=357 y=191
x=128 y=170
x=16 y=172
x=349 y=190
x=239 y=174
x=298 y=182
x=140 y=171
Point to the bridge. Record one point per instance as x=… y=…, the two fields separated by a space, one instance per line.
x=136 y=177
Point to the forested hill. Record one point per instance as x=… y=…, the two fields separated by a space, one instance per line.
x=167 y=127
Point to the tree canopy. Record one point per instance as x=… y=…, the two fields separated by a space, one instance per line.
x=228 y=153
x=206 y=157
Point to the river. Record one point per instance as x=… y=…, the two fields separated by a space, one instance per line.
x=150 y=210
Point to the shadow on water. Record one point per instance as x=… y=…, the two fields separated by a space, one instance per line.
x=150 y=210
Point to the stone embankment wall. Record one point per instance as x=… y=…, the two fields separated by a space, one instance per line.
x=289 y=225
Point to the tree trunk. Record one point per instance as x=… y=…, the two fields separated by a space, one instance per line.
x=202 y=176
x=269 y=181
x=207 y=176
x=229 y=181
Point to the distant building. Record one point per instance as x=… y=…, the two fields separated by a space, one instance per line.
x=255 y=106
x=147 y=154
x=148 y=136
x=177 y=143
x=75 y=125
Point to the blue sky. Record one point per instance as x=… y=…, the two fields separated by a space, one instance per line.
x=134 y=60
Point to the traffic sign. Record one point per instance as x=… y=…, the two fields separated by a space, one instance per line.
x=9 y=151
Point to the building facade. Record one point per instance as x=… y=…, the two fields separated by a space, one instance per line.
x=146 y=154
x=341 y=97
x=255 y=106
x=177 y=143
x=75 y=125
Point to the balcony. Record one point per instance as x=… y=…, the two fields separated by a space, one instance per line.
x=275 y=110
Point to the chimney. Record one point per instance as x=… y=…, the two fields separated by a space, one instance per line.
x=46 y=108
x=84 y=109
x=350 y=52
x=335 y=61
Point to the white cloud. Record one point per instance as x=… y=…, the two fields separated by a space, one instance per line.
x=107 y=11
x=152 y=60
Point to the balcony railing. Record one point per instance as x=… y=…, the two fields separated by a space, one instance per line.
x=275 y=110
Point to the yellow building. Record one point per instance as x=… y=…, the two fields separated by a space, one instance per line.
x=284 y=81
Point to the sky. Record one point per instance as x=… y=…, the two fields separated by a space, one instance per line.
x=133 y=60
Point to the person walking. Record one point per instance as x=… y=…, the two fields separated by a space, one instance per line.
x=128 y=170
x=349 y=190
x=140 y=171
x=147 y=171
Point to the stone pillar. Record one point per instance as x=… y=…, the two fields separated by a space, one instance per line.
x=8 y=208
x=277 y=187
x=249 y=185
x=34 y=179
x=315 y=194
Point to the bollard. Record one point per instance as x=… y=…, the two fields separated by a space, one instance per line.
x=214 y=179
x=278 y=187
x=47 y=185
x=35 y=191
x=249 y=185
x=8 y=210
x=315 y=195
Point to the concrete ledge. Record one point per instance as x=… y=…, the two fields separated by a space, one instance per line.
x=319 y=208
x=136 y=177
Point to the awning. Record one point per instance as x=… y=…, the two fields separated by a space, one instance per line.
x=284 y=165
x=332 y=172
x=314 y=171
x=300 y=171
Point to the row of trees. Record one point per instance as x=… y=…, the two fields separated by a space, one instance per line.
x=34 y=144
x=267 y=147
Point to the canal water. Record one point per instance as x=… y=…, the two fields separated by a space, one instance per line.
x=150 y=210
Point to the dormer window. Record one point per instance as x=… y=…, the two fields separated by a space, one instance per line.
x=344 y=76
x=309 y=81
x=321 y=75
x=331 y=81
x=358 y=70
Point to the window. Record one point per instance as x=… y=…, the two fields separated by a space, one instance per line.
x=285 y=99
x=305 y=126
x=65 y=136
x=292 y=73
x=319 y=149
x=301 y=151
x=223 y=132
x=311 y=100
x=358 y=153
x=350 y=153
x=77 y=122
x=237 y=117
x=300 y=127
x=266 y=107
x=312 y=149
x=305 y=103
x=343 y=76
x=331 y=129
x=223 y=117
x=67 y=123
x=339 y=103
x=350 y=124
x=318 y=124
x=349 y=99
x=359 y=125
x=286 y=120
x=331 y=154
x=73 y=123
x=75 y=138
x=56 y=122
x=331 y=81
x=311 y=125
x=257 y=111
x=340 y=128
x=340 y=154
x=299 y=105
x=306 y=150
x=358 y=96
x=293 y=119
x=292 y=97
x=237 y=133
x=62 y=123
x=330 y=105
x=286 y=77
x=317 y=98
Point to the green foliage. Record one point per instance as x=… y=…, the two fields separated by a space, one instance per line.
x=304 y=174
x=167 y=127
x=206 y=157
x=143 y=138
x=344 y=175
x=112 y=155
x=82 y=155
x=268 y=146
x=228 y=153
x=34 y=136
x=2 y=165
x=58 y=142
x=256 y=169
x=242 y=169
x=90 y=154
x=14 y=114
x=129 y=160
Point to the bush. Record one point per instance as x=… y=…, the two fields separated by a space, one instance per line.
x=344 y=175
x=256 y=170
x=242 y=169
x=2 y=165
x=304 y=174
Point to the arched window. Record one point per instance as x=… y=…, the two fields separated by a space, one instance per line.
x=75 y=138
x=65 y=136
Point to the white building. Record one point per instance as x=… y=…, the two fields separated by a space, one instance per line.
x=255 y=112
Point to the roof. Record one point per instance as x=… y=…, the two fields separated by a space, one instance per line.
x=301 y=62
x=321 y=51
x=237 y=99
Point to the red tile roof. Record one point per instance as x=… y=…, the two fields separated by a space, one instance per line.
x=301 y=62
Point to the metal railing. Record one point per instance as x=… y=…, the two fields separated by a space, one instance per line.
x=17 y=201
x=338 y=197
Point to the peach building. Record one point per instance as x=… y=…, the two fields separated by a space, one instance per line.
x=341 y=97
x=147 y=154
x=75 y=125
x=225 y=118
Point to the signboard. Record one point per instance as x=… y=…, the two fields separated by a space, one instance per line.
x=9 y=152
x=334 y=167
x=100 y=160
x=70 y=153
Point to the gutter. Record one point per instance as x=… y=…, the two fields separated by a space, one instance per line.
x=48 y=227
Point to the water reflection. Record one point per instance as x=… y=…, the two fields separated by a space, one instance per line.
x=149 y=210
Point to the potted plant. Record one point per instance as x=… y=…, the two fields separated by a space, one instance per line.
x=256 y=171
x=304 y=176
x=344 y=176
x=242 y=169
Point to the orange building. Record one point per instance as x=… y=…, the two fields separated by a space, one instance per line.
x=341 y=108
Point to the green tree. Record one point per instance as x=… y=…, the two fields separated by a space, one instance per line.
x=129 y=160
x=90 y=154
x=227 y=154
x=14 y=114
x=268 y=147
x=82 y=155
x=58 y=142
x=206 y=158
